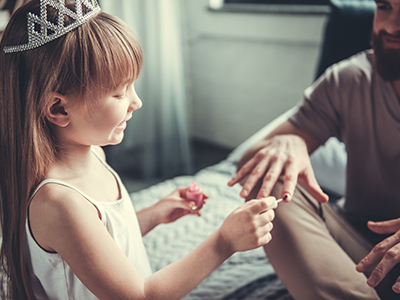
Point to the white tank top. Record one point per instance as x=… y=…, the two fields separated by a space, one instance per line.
x=52 y=278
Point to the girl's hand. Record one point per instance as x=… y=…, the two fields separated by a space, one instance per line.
x=248 y=227
x=175 y=206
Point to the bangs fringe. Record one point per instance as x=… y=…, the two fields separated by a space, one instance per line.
x=116 y=58
x=102 y=54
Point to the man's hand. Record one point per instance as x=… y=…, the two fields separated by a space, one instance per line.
x=387 y=253
x=281 y=155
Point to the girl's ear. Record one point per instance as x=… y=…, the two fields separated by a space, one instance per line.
x=56 y=110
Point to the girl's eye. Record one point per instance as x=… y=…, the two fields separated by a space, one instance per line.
x=121 y=92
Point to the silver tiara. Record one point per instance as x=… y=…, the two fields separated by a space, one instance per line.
x=48 y=30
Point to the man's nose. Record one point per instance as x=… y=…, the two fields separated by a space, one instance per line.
x=392 y=25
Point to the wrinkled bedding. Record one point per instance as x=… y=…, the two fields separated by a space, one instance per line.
x=245 y=275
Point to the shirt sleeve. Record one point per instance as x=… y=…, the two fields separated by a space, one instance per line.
x=320 y=112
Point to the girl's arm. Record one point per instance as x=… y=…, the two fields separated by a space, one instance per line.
x=63 y=222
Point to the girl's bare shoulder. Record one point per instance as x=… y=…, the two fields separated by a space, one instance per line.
x=54 y=210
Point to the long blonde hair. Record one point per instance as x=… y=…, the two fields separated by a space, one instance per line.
x=95 y=57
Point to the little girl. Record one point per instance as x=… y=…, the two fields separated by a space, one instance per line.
x=69 y=230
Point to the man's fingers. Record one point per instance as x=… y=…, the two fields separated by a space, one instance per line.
x=312 y=186
x=389 y=260
x=383 y=227
x=318 y=194
x=379 y=273
x=244 y=171
x=389 y=249
x=270 y=179
x=396 y=286
x=289 y=182
x=255 y=175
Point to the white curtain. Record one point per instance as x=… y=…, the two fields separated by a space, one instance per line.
x=156 y=142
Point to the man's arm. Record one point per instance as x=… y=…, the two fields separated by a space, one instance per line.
x=284 y=152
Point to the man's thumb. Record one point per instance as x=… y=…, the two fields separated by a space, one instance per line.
x=312 y=186
x=383 y=227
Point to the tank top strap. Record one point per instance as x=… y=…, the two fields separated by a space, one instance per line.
x=108 y=167
x=62 y=183
x=121 y=186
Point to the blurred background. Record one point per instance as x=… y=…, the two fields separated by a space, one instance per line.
x=215 y=72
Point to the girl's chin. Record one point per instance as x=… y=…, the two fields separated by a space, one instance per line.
x=116 y=139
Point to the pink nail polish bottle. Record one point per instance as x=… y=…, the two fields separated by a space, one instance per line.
x=195 y=194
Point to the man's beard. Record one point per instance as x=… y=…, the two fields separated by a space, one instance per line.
x=387 y=61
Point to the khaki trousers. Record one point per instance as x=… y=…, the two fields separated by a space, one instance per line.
x=314 y=251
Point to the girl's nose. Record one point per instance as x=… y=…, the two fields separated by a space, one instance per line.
x=135 y=102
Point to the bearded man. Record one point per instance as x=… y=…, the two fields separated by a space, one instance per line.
x=317 y=252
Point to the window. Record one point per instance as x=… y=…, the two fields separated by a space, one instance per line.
x=295 y=2
x=271 y=6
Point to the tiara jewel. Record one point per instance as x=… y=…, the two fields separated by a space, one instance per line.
x=48 y=30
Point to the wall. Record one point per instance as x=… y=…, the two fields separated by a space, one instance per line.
x=246 y=68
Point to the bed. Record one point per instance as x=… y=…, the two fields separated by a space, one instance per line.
x=245 y=275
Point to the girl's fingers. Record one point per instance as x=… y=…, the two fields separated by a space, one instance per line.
x=191 y=205
x=265 y=239
x=181 y=191
x=266 y=217
x=265 y=229
x=205 y=196
x=185 y=204
x=259 y=206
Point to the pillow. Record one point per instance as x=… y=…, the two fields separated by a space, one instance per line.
x=329 y=164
